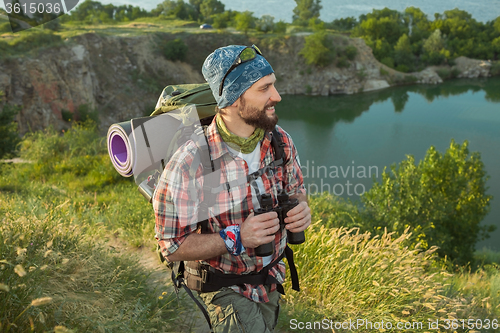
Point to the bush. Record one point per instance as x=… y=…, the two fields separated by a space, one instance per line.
x=342 y=62
x=5 y=27
x=8 y=127
x=446 y=73
x=318 y=49
x=280 y=27
x=85 y=114
x=388 y=61
x=442 y=200
x=495 y=68
x=350 y=52
x=175 y=49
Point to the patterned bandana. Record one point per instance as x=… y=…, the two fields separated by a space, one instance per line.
x=239 y=79
x=245 y=145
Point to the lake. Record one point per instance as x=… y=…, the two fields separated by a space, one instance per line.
x=356 y=136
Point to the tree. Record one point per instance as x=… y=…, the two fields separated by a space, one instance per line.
x=265 y=23
x=306 y=10
x=8 y=127
x=174 y=8
x=208 y=8
x=403 y=55
x=318 y=49
x=280 y=27
x=344 y=24
x=434 y=48
x=418 y=24
x=244 y=21
x=496 y=25
x=223 y=20
x=442 y=199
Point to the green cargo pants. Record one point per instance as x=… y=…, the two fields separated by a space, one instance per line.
x=231 y=312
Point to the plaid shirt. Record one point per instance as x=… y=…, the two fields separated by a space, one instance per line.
x=180 y=191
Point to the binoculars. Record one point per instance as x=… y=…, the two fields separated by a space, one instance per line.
x=285 y=204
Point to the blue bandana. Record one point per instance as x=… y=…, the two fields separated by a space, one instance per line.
x=239 y=80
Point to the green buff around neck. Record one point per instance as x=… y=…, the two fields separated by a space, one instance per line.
x=245 y=145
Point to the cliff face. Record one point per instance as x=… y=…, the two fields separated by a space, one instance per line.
x=122 y=77
x=109 y=74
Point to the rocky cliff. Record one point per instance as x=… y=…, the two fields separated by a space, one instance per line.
x=122 y=77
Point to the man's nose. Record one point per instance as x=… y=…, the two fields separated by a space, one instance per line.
x=275 y=97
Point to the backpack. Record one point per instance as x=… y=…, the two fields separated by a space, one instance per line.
x=182 y=113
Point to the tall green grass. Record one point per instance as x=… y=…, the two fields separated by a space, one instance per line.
x=78 y=169
x=56 y=270
x=347 y=275
x=53 y=273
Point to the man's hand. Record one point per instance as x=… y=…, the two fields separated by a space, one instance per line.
x=299 y=218
x=258 y=230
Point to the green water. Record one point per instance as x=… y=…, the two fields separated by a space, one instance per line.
x=345 y=140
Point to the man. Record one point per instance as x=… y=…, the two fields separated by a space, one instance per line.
x=243 y=84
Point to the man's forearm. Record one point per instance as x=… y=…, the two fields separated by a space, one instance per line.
x=199 y=247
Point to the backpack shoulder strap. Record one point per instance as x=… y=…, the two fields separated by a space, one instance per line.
x=279 y=148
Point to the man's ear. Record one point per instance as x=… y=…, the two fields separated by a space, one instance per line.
x=236 y=103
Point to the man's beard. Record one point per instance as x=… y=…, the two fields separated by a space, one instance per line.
x=258 y=118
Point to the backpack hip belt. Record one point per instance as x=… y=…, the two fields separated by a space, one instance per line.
x=204 y=278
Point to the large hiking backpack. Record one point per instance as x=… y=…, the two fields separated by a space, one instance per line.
x=182 y=113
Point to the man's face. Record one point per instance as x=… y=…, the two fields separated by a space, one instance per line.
x=257 y=104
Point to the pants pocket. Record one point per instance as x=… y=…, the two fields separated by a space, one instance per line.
x=224 y=319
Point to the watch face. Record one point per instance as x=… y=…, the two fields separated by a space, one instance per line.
x=26 y=14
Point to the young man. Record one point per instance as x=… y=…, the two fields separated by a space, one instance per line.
x=242 y=82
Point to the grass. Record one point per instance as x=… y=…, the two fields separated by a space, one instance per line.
x=57 y=273
x=347 y=276
x=49 y=253
x=58 y=214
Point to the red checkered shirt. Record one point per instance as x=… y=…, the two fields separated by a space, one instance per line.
x=178 y=194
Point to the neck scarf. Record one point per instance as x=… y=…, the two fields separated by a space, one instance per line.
x=245 y=145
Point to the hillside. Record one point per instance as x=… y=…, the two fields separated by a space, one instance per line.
x=120 y=75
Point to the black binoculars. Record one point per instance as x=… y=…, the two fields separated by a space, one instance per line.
x=285 y=204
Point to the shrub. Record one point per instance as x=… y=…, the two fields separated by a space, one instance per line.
x=85 y=114
x=5 y=27
x=444 y=73
x=495 y=68
x=350 y=52
x=402 y=68
x=388 y=61
x=318 y=49
x=342 y=62
x=442 y=200
x=8 y=127
x=175 y=49
x=280 y=27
